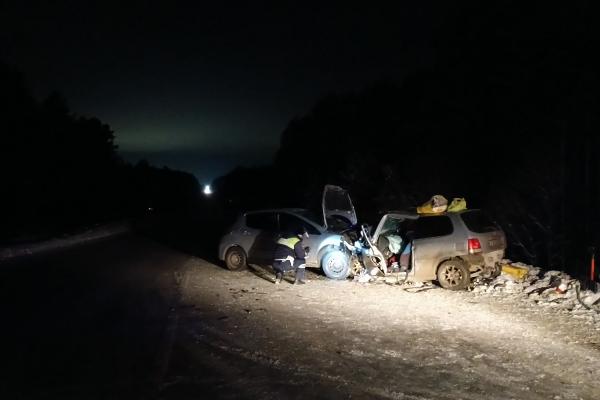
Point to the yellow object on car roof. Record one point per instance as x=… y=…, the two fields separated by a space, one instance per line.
x=437 y=204
x=457 y=204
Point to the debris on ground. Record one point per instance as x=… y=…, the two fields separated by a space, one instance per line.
x=546 y=288
x=398 y=279
x=363 y=276
x=516 y=271
x=414 y=287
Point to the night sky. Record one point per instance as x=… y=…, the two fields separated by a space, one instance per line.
x=204 y=87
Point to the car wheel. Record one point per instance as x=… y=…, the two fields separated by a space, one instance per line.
x=235 y=259
x=356 y=267
x=336 y=265
x=454 y=275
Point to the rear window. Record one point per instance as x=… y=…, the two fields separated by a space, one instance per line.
x=426 y=227
x=262 y=221
x=478 y=222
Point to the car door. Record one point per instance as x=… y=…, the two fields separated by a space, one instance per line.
x=291 y=223
x=430 y=244
x=390 y=224
x=262 y=230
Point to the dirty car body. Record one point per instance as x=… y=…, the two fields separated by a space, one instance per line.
x=451 y=248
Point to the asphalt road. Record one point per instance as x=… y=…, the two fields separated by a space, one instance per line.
x=88 y=322
x=131 y=318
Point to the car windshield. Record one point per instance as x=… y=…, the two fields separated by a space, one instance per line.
x=391 y=225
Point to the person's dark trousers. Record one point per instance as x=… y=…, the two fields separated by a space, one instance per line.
x=300 y=268
x=280 y=268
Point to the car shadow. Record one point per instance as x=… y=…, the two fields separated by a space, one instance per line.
x=266 y=272
x=262 y=271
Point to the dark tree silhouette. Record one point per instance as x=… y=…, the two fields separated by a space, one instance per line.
x=61 y=171
x=506 y=117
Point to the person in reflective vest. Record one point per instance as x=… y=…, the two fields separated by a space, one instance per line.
x=290 y=255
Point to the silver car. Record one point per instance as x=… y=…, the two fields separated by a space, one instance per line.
x=451 y=248
x=253 y=237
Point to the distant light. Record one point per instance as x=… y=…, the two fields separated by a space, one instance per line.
x=207 y=190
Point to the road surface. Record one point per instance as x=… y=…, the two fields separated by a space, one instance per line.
x=132 y=318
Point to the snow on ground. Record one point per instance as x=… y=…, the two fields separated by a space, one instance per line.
x=342 y=339
x=91 y=234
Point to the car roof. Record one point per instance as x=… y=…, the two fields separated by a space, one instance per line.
x=298 y=212
x=289 y=210
x=412 y=213
x=402 y=213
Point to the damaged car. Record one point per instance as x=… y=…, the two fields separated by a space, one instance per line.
x=252 y=238
x=451 y=248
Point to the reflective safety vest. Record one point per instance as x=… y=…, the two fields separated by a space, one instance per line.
x=288 y=242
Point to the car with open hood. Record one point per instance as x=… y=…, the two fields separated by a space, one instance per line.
x=253 y=237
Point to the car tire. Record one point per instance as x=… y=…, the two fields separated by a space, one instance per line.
x=454 y=274
x=235 y=259
x=336 y=265
x=355 y=267
x=497 y=271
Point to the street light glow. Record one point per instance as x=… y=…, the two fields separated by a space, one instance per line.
x=207 y=190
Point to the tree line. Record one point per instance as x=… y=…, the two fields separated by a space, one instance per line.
x=61 y=171
x=506 y=117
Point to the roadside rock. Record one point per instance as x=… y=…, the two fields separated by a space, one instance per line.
x=552 y=288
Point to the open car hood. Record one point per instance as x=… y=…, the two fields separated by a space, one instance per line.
x=338 y=210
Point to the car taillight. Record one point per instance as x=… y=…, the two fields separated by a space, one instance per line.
x=474 y=245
